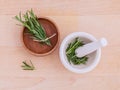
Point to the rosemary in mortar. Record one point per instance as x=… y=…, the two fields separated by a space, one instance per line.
x=70 y=53
x=26 y=66
x=30 y=21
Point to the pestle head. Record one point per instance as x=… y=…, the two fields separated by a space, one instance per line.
x=103 y=42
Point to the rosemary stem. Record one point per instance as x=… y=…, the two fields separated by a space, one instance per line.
x=46 y=38
x=31 y=22
x=72 y=48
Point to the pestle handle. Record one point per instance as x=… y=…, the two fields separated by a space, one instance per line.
x=90 y=47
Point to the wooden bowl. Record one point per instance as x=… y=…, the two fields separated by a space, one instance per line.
x=37 y=48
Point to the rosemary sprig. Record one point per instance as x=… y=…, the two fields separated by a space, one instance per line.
x=26 y=66
x=70 y=53
x=30 y=21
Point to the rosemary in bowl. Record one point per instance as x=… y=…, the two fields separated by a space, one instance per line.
x=40 y=36
x=71 y=55
x=30 y=21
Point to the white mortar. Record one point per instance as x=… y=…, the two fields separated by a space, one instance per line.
x=93 y=58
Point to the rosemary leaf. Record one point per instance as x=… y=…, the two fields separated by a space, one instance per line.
x=70 y=53
x=26 y=66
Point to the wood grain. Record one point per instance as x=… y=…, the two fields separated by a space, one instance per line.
x=62 y=7
x=98 y=17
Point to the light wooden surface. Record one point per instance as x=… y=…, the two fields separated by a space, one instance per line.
x=98 y=17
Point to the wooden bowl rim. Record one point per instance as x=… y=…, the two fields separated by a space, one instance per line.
x=47 y=53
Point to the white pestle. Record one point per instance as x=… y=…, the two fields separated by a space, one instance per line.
x=90 y=47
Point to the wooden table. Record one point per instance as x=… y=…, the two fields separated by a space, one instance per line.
x=98 y=17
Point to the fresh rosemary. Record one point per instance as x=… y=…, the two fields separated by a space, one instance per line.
x=70 y=53
x=30 y=21
x=26 y=66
